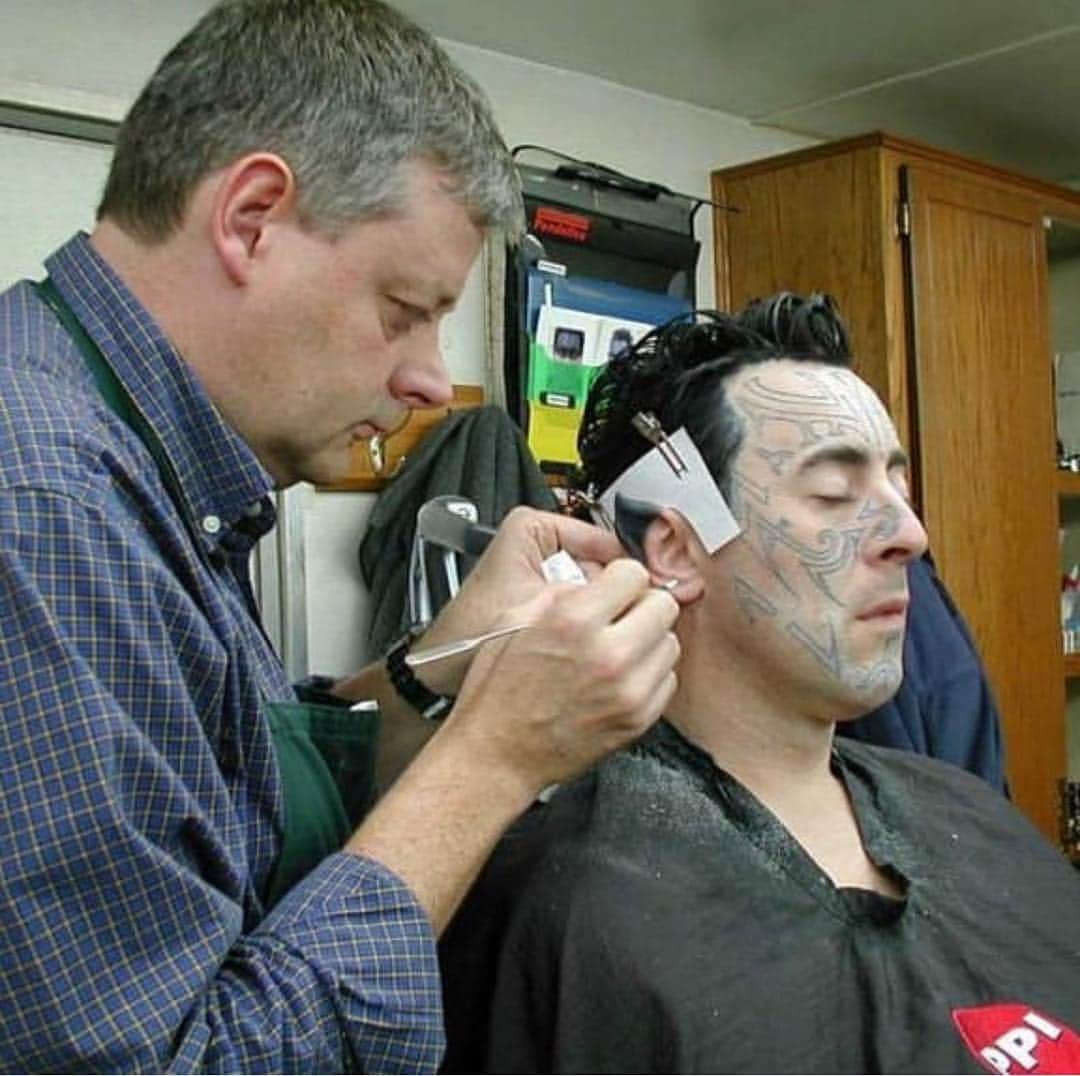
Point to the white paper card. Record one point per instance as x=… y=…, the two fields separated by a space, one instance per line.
x=695 y=494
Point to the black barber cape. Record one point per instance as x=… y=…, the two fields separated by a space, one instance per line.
x=655 y=917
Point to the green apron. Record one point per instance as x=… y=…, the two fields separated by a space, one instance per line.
x=325 y=754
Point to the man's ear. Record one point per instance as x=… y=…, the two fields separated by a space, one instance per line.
x=672 y=552
x=254 y=192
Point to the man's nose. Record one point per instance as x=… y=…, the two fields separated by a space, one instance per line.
x=904 y=538
x=421 y=379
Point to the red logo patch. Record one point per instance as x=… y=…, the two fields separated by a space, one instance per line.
x=1016 y=1038
x=572 y=226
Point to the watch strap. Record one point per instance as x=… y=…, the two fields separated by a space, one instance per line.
x=425 y=701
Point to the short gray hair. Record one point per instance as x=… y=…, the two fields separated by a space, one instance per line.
x=347 y=92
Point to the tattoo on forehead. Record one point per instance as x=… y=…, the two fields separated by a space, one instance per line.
x=826 y=403
x=777 y=459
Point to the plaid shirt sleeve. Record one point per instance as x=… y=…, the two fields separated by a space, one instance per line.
x=130 y=937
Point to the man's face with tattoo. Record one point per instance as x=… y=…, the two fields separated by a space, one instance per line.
x=818 y=576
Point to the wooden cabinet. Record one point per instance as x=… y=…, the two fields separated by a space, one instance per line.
x=938 y=264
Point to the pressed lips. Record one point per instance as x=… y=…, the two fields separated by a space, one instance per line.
x=890 y=607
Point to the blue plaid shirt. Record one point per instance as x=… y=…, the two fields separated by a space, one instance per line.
x=141 y=810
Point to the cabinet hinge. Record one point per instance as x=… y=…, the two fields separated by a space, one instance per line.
x=903 y=218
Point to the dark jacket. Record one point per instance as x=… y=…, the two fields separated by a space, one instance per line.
x=478 y=454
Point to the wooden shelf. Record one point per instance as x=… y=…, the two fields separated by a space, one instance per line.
x=1068 y=483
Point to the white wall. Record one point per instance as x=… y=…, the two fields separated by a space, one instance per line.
x=87 y=55
x=48 y=188
x=92 y=58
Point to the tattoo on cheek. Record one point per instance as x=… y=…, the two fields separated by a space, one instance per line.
x=884 y=673
x=881 y=521
x=758 y=533
x=826 y=650
x=835 y=549
x=744 y=491
x=833 y=554
x=753 y=603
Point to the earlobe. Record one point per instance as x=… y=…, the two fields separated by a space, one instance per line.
x=670 y=548
x=254 y=192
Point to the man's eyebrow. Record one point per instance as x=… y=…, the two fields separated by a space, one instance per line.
x=851 y=455
x=425 y=295
x=441 y=302
x=897 y=458
x=425 y=304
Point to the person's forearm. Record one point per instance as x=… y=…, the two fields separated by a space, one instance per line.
x=593 y=671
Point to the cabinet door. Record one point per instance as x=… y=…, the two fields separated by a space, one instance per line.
x=983 y=409
x=824 y=224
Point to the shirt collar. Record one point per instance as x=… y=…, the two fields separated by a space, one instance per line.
x=222 y=482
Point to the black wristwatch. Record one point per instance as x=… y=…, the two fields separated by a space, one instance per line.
x=420 y=698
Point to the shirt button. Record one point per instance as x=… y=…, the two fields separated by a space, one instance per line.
x=211 y=524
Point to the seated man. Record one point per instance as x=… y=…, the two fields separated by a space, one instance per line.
x=742 y=891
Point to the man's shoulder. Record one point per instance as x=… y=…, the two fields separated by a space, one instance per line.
x=939 y=800
x=550 y=837
x=31 y=336
x=620 y=824
x=893 y=764
x=924 y=782
x=564 y=869
x=52 y=433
